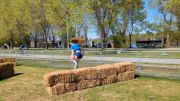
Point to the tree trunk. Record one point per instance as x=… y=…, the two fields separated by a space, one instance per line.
x=12 y=40
x=35 y=44
x=103 y=36
x=167 y=40
x=46 y=31
x=130 y=35
x=85 y=32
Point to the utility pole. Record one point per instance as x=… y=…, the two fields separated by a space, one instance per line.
x=67 y=33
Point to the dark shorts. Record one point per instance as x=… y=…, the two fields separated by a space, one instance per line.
x=79 y=55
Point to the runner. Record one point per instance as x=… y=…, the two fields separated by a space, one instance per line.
x=76 y=53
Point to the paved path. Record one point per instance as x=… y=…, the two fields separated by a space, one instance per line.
x=96 y=58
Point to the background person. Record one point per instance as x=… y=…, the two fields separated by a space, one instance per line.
x=22 y=48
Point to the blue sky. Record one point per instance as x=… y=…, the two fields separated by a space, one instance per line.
x=152 y=16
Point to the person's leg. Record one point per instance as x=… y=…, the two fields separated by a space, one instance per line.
x=71 y=58
x=75 y=63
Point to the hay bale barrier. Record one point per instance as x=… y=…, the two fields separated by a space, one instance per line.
x=60 y=82
x=7 y=67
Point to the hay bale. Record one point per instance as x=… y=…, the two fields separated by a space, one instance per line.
x=87 y=73
x=1 y=67
x=120 y=68
x=105 y=70
x=87 y=84
x=57 y=89
x=61 y=88
x=123 y=67
x=2 y=60
x=97 y=72
x=65 y=76
x=6 y=70
x=108 y=80
x=70 y=80
x=130 y=67
x=70 y=87
x=129 y=75
x=9 y=59
x=121 y=77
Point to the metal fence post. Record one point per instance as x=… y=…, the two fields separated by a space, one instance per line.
x=139 y=61
x=101 y=53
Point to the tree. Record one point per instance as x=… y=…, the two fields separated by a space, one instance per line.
x=57 y=12
x=8 y=21
x=174 y=7
x=103 y=12
x=168 y=19
x=135 y=16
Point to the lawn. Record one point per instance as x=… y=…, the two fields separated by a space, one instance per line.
x=27 y=86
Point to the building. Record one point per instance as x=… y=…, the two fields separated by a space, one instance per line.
x=149 y=43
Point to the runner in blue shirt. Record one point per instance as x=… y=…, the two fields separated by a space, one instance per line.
x=76 y=53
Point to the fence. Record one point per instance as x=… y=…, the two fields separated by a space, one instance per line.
x=161 y=63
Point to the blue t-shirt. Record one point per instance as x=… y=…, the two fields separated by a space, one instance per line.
x=75 y=47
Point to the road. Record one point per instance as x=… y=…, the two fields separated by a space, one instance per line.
x=96 y=58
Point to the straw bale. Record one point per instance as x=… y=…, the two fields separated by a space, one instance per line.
x=86 y=73
x=14 y=63
x=129 y=75
x=9 y=59
x=6 y=70
x=6 y=74
x=6 y=66
x=57 y=89
x=87 y=84
x=105 y=70
x=65 y=76
x=121 y=77
x=130 y=67
x=123 y=67
x=120 y=68
x=2 y=60
x=109 y=79
x=70 y=87
x=1 y=67
x=70 y=80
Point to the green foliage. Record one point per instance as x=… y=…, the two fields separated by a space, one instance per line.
x=174 y=7
x=26 y=20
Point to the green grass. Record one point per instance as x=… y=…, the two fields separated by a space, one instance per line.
x=28 y=87
x=56 y=64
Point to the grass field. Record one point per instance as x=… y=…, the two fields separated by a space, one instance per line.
x=157 y=70
x=27 y=86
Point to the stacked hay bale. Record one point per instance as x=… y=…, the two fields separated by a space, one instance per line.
x=7 y=67
x=60 y=82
